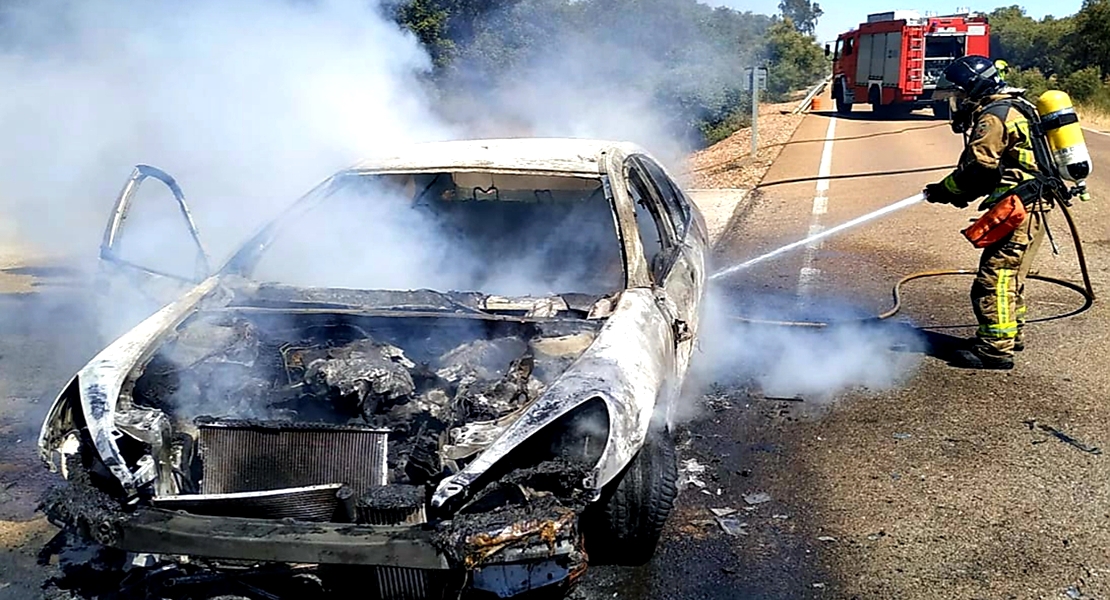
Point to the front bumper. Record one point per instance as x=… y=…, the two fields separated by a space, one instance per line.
x=505 y=552
x=158 y=531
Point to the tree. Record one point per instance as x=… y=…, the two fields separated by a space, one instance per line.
x=1092 y=42
x=1027 y=43
x=795 y=60
x=802 y=13
x=682 y=60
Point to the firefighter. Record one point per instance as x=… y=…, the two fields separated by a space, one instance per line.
x=997 y=159
x=1002 y=67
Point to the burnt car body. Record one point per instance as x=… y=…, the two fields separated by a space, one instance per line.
x=326 y=422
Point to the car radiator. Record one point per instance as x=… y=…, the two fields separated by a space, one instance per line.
x=250 y=456
x=244 y=459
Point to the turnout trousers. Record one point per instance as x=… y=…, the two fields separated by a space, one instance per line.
x=998 y=294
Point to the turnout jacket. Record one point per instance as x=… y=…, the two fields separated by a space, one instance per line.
x=998 y=153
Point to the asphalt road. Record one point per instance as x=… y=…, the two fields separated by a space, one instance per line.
x=896 y=475
x=858 y=462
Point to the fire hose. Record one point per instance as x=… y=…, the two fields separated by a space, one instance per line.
x=1086 y=290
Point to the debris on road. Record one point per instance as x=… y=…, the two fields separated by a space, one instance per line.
x=1063 y=437
x=826 y=538
x=732 y=526
x=757 y=498
x=717 y=402
x=689 y=473
x=723 y=512
x=780 y=517
x=903 y=436
x=1073 y=593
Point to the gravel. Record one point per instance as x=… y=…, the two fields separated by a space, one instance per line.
x=729 y=164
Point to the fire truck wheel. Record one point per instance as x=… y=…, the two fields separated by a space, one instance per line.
x=843 y=107
x=875 y=99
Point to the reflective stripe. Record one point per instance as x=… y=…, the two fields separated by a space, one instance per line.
x=1000 y=331
x=1022 y=151
x=1004 y=327
x=1026 y=158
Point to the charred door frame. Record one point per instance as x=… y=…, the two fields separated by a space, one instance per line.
x=116 y=222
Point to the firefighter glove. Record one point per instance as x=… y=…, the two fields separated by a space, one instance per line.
x=937 y=193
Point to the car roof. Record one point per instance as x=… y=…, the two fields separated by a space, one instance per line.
x=569 y=156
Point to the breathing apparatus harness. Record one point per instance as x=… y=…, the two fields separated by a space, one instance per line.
x=1047 y=187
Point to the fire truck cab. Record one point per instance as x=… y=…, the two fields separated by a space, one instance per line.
x=893 y=60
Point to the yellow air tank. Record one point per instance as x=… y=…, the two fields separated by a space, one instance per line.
x=1065 y=137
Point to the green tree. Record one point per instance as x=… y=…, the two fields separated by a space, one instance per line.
x=802 y=13
x=685 y=57
x=795 y=61
x=1092 y=34
x=428 y=21
x=1027 y=43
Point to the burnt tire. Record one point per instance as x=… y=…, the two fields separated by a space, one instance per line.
x=626 y=522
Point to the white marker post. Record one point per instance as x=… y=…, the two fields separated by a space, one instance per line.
x=757 y=80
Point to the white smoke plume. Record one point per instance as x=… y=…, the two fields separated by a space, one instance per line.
x=745 y=342
x=247 y=104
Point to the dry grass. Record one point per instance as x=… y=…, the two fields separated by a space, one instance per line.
x=1095 y=118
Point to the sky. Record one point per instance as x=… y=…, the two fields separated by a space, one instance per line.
x=841 y=16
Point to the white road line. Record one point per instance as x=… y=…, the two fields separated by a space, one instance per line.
x=826 y=158
x=820 y=205
x=808 y=275
x=1089 y=130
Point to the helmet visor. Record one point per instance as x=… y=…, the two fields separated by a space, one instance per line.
x=945 y=89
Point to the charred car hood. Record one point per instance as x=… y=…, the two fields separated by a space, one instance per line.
x=458 y=398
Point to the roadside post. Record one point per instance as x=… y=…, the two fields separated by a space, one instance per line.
x=756 y=81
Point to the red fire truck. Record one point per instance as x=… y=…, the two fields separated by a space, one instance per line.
x=893 y=61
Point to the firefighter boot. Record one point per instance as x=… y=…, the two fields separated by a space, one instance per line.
x=982 y=356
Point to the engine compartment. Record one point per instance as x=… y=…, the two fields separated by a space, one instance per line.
x=333 y=417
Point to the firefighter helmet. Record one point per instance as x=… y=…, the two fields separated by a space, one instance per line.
x=1003 y=68
x=975 y=76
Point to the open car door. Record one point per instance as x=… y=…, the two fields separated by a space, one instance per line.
x=151 y=252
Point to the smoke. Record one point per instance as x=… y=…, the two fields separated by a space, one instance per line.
x=792 y=362
x=247 y=104
x=406 y=237
x=646 y=72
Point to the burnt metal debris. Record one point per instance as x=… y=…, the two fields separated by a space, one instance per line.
x=332 y=424
x=1063 y=437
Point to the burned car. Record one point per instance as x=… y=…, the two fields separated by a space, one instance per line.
x=452 y=368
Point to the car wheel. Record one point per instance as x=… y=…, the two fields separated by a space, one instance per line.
x=629 y=517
